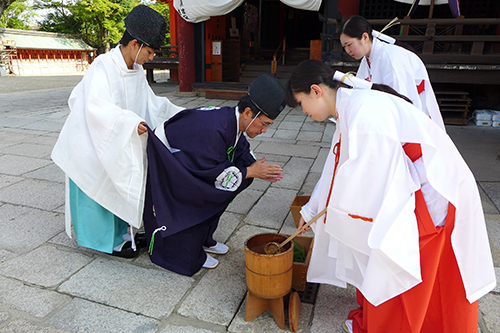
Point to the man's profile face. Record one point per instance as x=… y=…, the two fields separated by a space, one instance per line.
x=259 y=126
x=146 y=54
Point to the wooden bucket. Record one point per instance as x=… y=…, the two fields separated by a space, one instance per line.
x=268 y=275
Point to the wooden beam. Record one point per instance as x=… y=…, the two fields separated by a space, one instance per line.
x=449 y=38
x=465 y=59
x=425 y=22
x=464 y=76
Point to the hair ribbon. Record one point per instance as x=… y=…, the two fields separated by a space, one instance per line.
x=385 y=37
x=351 y=80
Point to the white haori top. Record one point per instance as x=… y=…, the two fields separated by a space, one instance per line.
x=99 y=147
x=375 y=179
x=403 y=71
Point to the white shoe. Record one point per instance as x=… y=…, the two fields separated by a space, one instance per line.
x=347 y=326
x=218 y=248
x=210 y=262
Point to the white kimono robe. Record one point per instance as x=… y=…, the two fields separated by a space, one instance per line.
x=99 y=147
x=375 y=179
x=403 y=71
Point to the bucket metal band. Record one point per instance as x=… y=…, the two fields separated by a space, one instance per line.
x=269 y=274
x=270 y=297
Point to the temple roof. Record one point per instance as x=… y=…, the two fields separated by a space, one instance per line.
x=39 y=40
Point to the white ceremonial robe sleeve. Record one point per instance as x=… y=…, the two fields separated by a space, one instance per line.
x=159 y=109
x=381 y=258
x=405 y=72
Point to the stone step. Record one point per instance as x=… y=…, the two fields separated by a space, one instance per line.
x=224 y=94
x=201 y=86
x=234 y=90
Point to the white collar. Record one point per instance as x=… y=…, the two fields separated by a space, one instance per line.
x=237 y=113
x=118 y=57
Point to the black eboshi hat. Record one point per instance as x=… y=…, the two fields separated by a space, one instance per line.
x=147 y=26
x=267 y=94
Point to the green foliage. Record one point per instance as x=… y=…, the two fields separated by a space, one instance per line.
x=162 y=8
x=59 y=17
x=18 y=15
x=99 y=22
x=299 y=255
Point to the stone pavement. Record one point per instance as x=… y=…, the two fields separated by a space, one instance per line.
x=50 y=284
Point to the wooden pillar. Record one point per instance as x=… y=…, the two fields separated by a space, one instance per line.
x=457 y=47
x=215 y=29
x=315 y=49
x=431 y=9
x=348 y=8
x=173 y=16
x=332 y=48
x=429 y=33
x=405 y=28
x=185 y=37
x=282 y=21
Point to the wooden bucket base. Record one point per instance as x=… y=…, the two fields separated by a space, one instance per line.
x=256 y=305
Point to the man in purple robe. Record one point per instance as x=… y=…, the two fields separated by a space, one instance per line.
x=199 y=160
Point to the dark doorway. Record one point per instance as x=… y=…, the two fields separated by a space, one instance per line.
x=279 y=20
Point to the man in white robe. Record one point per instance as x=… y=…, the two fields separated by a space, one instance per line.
x=102 y=146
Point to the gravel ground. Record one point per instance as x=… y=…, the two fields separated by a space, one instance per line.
x=12 y=83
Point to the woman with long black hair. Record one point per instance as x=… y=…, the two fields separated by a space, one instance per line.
x=404 y=222
x=385 y=62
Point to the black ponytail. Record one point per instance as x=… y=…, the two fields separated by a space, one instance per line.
x=313 y=71
x=389 y=90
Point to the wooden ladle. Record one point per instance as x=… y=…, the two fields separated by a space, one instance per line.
x=273 y=247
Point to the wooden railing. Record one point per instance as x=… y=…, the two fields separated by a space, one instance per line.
x=274 y=62
x=441 y=41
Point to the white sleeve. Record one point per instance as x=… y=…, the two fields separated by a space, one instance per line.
x=160 y=108
x=371 y=212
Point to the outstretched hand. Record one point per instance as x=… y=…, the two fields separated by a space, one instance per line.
x=260 y=169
